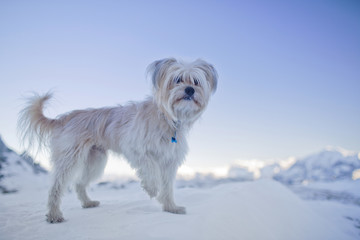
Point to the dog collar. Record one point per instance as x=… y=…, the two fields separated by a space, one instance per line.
x=173 y=139
x=176 y=125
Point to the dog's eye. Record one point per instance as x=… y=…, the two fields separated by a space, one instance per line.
x=196 y=82
x=178 y=80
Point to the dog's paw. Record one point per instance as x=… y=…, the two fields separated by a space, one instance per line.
x=175 y=209
x=91 y=204
x=54 y=218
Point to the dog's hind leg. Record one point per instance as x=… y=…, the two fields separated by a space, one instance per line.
x=92 y=169
x=64 y=170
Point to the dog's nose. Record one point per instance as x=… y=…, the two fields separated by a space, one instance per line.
x=189 y=91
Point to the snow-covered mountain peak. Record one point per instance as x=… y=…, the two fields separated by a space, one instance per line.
x=337 y=149
x=333 y=163
x=331 y=157
x=18 y=171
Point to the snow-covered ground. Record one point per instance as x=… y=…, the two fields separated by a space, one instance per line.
x=263 y=209
x=238 y=205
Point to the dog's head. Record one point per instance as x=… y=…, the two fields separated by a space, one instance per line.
x=182 y=90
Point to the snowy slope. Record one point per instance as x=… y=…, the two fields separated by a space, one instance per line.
x=18 y=171
x=332 y=164
x=218 y=208
x=262 y=209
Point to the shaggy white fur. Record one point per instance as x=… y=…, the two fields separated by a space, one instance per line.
x=150 y=134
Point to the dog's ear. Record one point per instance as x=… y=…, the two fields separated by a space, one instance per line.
x=158 y=69
x=210 y=72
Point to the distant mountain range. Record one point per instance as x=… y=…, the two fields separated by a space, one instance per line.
x=331 y=164
x=18 y=172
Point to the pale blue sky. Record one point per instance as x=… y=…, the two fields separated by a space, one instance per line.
x=289 y=71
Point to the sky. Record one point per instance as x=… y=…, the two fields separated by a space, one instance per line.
x=289 y=71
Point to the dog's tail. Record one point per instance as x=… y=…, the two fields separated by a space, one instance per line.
x=33 y=126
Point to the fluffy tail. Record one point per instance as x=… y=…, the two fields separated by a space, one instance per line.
x=33 y=126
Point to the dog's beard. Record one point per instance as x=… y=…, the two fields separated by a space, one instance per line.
x=179 y=106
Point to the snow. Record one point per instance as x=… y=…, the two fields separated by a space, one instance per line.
x=243 y=202
x=331 y=164
x=262 y=209
x=19 y=171
x=346 y=216
x=346 y=191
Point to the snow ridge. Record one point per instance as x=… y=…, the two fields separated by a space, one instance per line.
x=17 y=171
x=331 y=164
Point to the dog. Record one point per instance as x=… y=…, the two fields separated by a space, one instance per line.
x=150 y=134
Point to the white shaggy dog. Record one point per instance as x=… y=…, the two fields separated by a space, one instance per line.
x=150 y=134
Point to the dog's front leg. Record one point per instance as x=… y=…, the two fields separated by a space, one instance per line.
x=149 y=174
x=166 y=196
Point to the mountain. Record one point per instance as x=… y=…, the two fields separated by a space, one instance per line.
x=331 y=164
x=18 y=171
